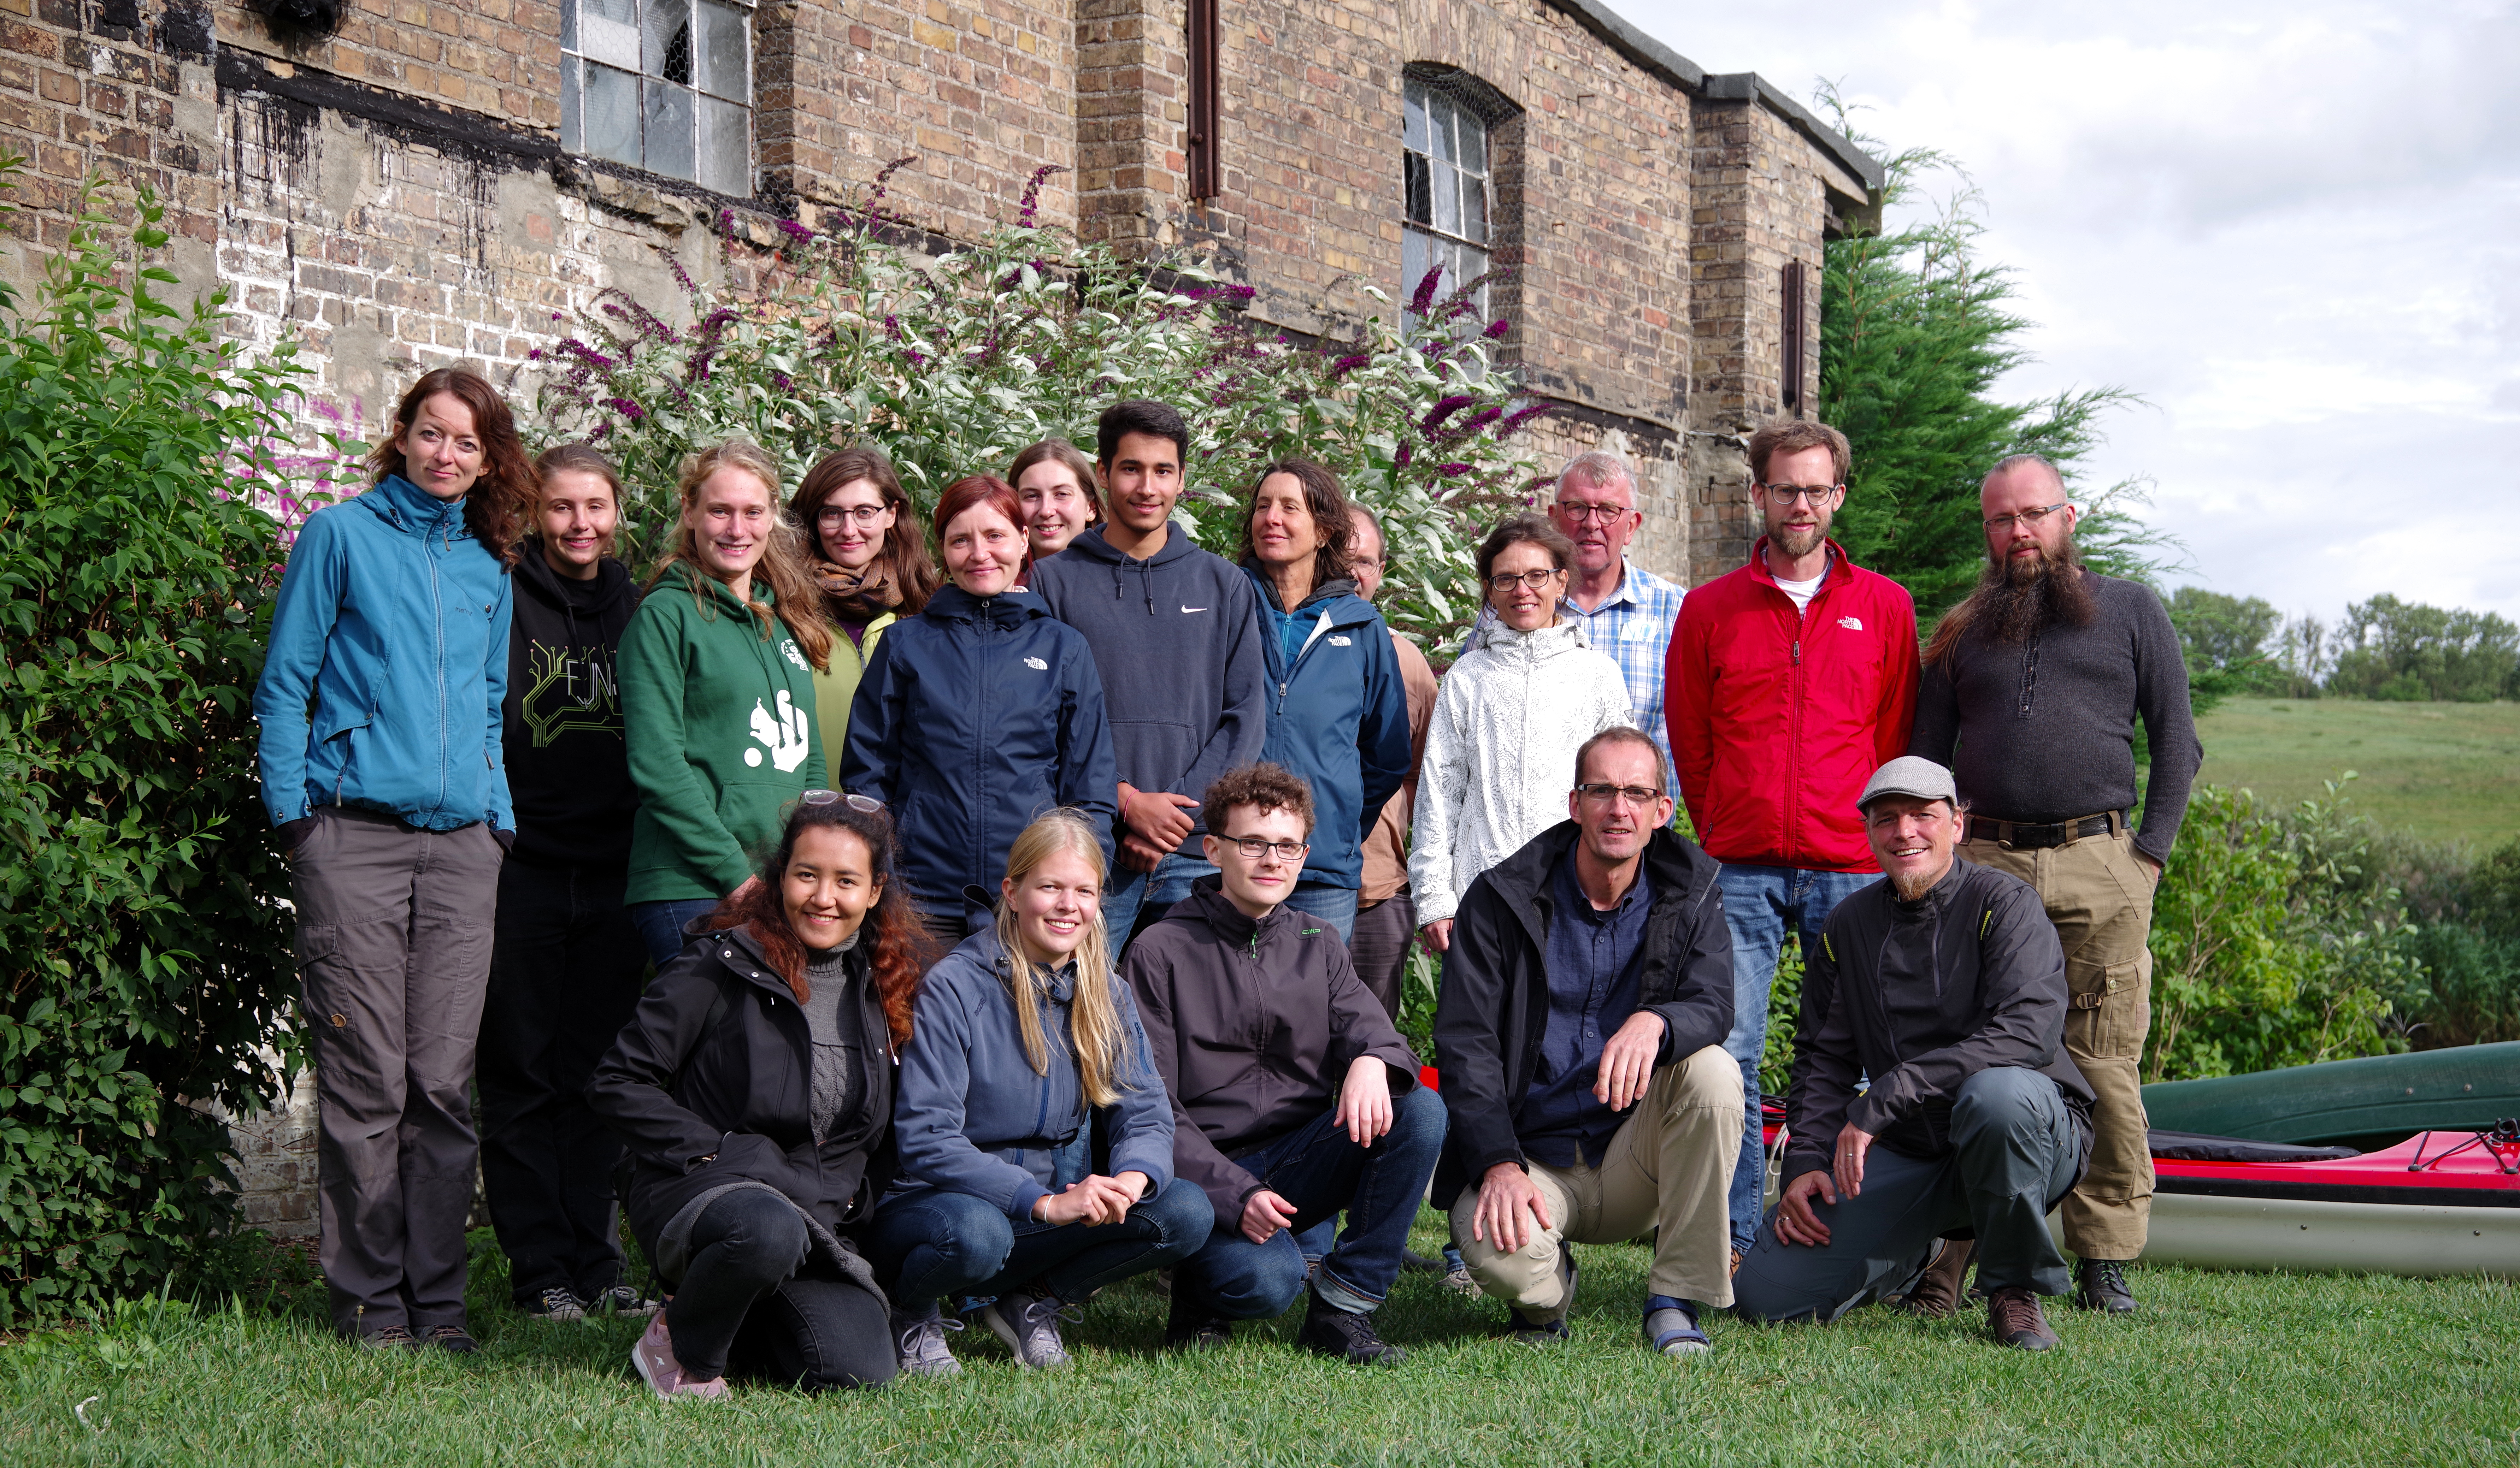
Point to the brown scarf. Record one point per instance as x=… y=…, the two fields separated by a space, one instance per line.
x=853 y=597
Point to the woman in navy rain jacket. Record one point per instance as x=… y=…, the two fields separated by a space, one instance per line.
x=979 y=713
x=1027 y=1040
x=382 y=770
x=1338 y=715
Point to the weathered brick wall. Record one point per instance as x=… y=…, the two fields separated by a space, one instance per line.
x=1132 y=117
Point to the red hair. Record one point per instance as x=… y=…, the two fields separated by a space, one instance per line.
x=974 y=491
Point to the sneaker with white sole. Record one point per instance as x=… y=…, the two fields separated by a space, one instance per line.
x=625 y=1300
x=919 y=1342
x=559 y=1302
x=653 y=1356
x=1672 y=1328
x=1029 y=1325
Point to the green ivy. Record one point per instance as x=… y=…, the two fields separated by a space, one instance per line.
x=143 y=942
x=953 y=365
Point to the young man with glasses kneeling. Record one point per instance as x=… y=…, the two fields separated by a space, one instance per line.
x=1580 y=1037
x=1295 y=1099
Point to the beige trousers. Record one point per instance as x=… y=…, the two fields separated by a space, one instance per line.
x=2099 y=897
x=1670 y=1167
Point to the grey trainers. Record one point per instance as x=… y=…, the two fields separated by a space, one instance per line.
x=1029 y=1325
x=919 y=1342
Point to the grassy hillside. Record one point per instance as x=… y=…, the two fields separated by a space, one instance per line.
x=2443 y=772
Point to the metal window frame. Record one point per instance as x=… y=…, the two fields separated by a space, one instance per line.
x=574 y=62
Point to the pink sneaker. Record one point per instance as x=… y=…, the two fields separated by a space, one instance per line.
x=653 y=1356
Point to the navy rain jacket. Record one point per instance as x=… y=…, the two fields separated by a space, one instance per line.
x=974 y=717
x=1338 y=715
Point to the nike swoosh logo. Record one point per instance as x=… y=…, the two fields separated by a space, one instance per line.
x=1194 y=608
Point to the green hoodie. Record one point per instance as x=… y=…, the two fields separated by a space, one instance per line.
x=719 y=721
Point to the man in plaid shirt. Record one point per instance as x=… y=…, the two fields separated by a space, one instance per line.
x=1625 y=610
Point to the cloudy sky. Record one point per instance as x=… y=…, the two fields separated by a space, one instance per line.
x=2294 y=228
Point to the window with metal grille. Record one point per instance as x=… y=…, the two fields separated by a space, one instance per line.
x=664 y=85
x=1444 y=150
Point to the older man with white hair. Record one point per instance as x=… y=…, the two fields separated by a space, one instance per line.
x=1625 y=610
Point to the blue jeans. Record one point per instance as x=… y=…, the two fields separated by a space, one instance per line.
x=1315 y=1168
x=1335 y=906
x=1759 y=903
x=1133 y=892
x=660 y=923
x=935 y=1244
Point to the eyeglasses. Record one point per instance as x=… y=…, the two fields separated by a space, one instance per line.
x=1785 y=494
x=2029 y=518
x=1633 y=794
x=1253 y=848
x=862 y=804
x=1589 y=515
x=1505 y=581
x=864 y=514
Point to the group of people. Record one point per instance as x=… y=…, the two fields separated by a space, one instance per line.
x=900 y=948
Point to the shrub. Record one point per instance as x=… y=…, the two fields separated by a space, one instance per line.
x=142 y=943
x=953 y=365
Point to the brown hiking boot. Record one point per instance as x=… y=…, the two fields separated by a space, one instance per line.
x=1937 y=1292
x=2012 y=1318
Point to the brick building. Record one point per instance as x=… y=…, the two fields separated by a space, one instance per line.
x=409 y=182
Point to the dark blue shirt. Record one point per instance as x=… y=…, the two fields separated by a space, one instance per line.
x=1595 y=959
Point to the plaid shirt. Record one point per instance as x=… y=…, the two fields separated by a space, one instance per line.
x=1634 y=626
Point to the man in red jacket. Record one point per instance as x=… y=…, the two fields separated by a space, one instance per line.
x=1788 y=683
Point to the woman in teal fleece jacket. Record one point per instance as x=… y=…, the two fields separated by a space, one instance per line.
x=717 y=695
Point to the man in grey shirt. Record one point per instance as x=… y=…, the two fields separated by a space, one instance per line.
x=2038 y=679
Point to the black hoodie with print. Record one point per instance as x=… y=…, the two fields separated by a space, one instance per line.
x=568 y=769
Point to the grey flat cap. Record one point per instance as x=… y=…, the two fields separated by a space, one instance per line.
x=1909 y=774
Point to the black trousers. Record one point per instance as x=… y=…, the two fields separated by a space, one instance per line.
x=1380 y=948
x=745 y=1308
x=564 y=974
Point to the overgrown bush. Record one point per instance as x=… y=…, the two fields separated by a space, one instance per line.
x=143 y=956
x=2272 y=944
x=953 y=365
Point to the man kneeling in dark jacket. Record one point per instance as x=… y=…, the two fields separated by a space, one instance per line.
x=1590 y=971
x=1272 y=1048
x=1945 y=984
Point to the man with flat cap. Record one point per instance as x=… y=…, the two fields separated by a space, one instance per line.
x=1945 y=984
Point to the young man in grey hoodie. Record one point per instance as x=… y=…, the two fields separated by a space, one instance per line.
x=1176 y=638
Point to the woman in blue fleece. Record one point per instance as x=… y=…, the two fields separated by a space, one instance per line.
x=1025 y=1041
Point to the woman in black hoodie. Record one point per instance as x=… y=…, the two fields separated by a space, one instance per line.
x=754 y=1088
x=566 y=960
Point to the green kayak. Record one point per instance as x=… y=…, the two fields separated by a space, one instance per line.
x=2370 y=1103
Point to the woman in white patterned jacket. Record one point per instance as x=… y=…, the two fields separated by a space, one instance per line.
x=1501 y=748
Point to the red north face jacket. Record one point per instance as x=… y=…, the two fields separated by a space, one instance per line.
x=1777 y=720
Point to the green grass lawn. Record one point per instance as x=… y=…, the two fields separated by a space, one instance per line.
x=2439 y=772
x=2218 y=1368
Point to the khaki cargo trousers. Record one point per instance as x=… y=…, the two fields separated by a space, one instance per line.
x=1669 y=1167
x=2099 y=897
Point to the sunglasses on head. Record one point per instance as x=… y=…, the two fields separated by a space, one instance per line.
x=865 y=803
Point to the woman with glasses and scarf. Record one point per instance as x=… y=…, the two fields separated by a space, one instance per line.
x=754 y=1090
x=869 y=558
x=1510 y=716
x=1030 y=1059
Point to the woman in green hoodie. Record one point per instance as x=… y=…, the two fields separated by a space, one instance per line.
x=717 y=693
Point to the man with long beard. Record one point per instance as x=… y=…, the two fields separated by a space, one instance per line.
x=2038 y=679
x=1790 y=681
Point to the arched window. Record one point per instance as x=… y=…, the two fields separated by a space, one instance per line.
x=1449 y=199
x=664 y=85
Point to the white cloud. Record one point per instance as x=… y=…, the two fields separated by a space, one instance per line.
x=2289 y=227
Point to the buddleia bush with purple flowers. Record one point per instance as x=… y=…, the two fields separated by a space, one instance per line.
x=954 y=363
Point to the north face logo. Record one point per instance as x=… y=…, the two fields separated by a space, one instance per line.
x=1036 y=664
x=1851 y=624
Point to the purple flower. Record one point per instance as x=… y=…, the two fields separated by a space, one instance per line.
x=626 y=407
x=783 y=380
x=536 y=355
x=1401 y=459
x=682 y=277
x=795 y=231
x=1520 y=416
x=1497 y=329
x=1348 y=364
x=1480 y=420
x=1443 y=410
x=1424 y=296
x=1032 y=192
x=1451 y=470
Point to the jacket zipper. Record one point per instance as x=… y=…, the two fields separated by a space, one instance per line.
x=437 y=609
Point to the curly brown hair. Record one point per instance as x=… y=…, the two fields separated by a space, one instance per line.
x=899 y=949
x=497 y=505
x=1263 y=784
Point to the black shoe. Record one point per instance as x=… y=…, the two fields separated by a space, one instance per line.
x=2100 y=1284
x=1524 y=1331
x=1332 y=1331
x=451 y=1339
x=1189 y=1330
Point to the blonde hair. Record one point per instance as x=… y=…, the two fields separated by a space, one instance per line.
x=1095 y=1034
x=796 y=601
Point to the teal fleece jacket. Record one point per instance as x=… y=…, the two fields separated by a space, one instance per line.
x=718 y=714
x=387 y=666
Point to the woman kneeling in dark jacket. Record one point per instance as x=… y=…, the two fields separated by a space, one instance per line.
x=1025 y=1041
x=754 y=1089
